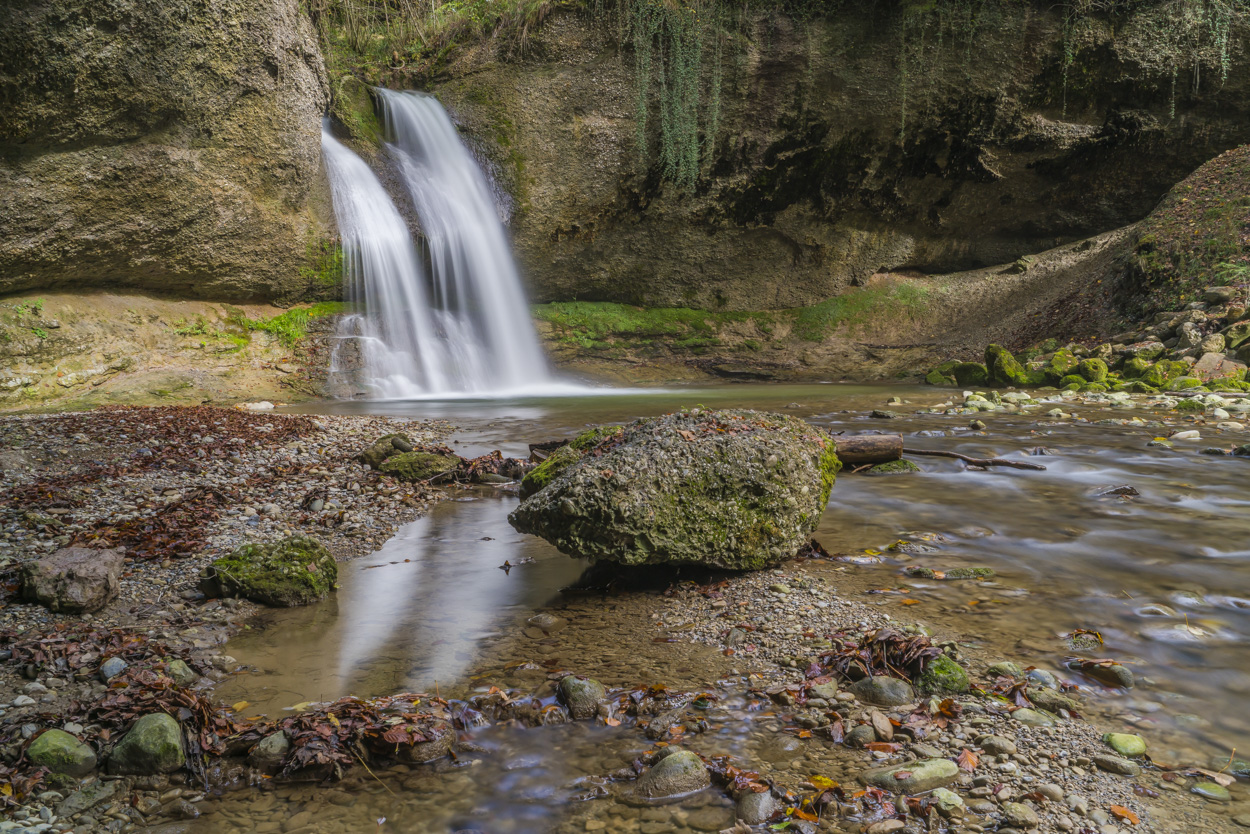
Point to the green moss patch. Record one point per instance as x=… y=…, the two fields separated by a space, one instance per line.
x=297 y=570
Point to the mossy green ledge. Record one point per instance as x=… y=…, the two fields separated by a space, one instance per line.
x=741 y=490
x=297 y=570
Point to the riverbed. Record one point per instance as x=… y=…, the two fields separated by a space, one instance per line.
x=1159 y=571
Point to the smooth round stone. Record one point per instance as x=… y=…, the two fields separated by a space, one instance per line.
x=1212 y=791
x=1126 y=744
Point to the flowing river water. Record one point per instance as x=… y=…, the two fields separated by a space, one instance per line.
x=1163 y=575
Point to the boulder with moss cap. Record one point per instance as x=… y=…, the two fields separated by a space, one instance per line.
x=741 y=490
x=297 y=570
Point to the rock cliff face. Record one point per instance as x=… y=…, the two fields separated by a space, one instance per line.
x=169 y=145
x=847 y=145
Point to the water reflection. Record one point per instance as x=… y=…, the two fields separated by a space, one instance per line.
x=408 y=615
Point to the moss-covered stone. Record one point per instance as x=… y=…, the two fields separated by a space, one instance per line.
x=1136 y=387
x=1094 y=370
x=971 y=374
x=61 y=752
x=1093 y=388
x=1190 y=405
x=894 y=467
x=732 y=489
x=297 y=570
x=418 y=466
x=1185 y=383
x=591 y=438
x=1064 y=362
x=1135 y=368
x=384 y=447
x=943 y=676
x=152 y=745
x=1005 y=370
x=1072 y=379
x=547 y=471
x=935 y=377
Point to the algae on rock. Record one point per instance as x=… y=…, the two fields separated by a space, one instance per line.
x=297 y=570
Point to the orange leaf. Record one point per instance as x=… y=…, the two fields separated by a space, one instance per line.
x=1120 y=812
x=612 y=722
x=967 y=760
x=805 y=815
x=911 y=602
x=883 y=746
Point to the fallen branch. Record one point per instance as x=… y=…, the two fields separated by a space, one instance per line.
x=1016 y=464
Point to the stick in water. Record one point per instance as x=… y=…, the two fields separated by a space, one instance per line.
x=1017 y=464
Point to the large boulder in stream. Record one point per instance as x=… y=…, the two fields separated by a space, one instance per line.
x=297 y=570
x=731 y=489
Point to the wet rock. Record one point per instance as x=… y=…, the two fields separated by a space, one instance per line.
x=1126 y=744
x=996 y=745
x=383 y=448
x=1115 y=764
x=270 y=752
x=442 y=737
x=181 y=673
x=827 y=691
x=755 y=808
x=943 y=676
x=86 y=798
x=581 y=696
x=675 y=775
x=1113 y=675
x=420 y=466
x=1040 y=678
x=1212 y=791
x=731 y=489
x=1019 y=815
x=152 y=745
x=894 y=467
x=297 y=570
x=860 y=735
x=181 y=809
x=111 y=668
x=1052 y=701
x=1005 y=669
x=948 y=803
x=60 y=752
x=883 y=692
x=913 y=777
x=73 y=579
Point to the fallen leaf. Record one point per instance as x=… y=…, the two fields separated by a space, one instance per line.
x=240 y=706
x=967 y=760
x=1120 y=812
x=911 y=602
x=823 y=783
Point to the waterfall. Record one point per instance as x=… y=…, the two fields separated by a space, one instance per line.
x=467 y=328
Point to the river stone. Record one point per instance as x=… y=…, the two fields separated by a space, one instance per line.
x=674 y=775
x=73 y=580
x=996 y=745
x=1115 y=764
x=419 y=466
x=1126 y=744
x=1019 y=815
x=581 y=696
x=884 y=692
x=860 y=735
x=755 y=808
x=87 y=797
x=827 y=691
x=1004 y=669
x=943 y=676
x=912 y=777
x=1051 y=700
x=270 y=752
x=181 y=673
x=1033 y=718
x=152 y=745
x=1113 y=675
x=60 y=752
x=732 y=489
x=948 y=803
x=111 y=668
x=1041 y=678
x=442 y=739
x=1212 y=791
x=383 y=448
x=297 y=570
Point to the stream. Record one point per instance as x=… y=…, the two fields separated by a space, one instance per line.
x=1162 y=575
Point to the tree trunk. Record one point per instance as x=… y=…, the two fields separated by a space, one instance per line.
x=858 y=449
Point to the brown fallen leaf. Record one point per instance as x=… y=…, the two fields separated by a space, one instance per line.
x=967 y=760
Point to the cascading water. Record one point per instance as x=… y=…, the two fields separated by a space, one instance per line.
x=468 y=329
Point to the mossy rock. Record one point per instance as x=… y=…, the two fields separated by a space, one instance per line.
x=943 y=676
x=547 y=471
x=588 y=440
x=1236 y=335
x=1190 y=405
x=1185 y=383
x=936 y=378
x=61 y=752
x=1094 y=370
x=1093 y=388
x=1070 y=380
x=1136 y=387
x=741 y=490
x=382 y=448
x=297 y=570
x=1064 y=362
x=1135 y=368
x=894 y=467
x=1004 y=370
x=152 y=745
x=971 y=374
x=418 y=466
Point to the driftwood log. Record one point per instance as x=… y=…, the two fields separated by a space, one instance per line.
x=863 y=450
x=857 y=449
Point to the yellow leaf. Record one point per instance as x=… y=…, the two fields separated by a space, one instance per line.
x=240 y=706
x=6 y=789
x=334 y=721
x=823 y=783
